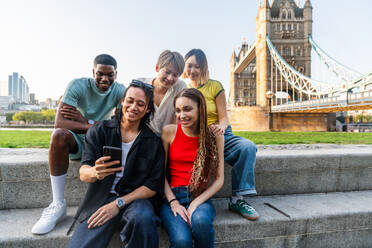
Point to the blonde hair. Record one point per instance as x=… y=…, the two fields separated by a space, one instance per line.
x=201 y=59
x=206 y=160
x=169 y=58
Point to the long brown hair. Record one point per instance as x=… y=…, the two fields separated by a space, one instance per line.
x=206 y=160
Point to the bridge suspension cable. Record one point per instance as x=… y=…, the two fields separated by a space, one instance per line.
x=344 y=73
x=297 y=80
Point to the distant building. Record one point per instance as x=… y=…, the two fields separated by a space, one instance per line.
x=3 y=119
x=49 y=103
x=33 y=101
x=6 y=103
x=18 y=88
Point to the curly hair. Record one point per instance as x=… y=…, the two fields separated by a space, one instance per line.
x=149 y=97
x=206 y=160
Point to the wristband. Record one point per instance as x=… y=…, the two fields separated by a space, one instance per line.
x=174 y=199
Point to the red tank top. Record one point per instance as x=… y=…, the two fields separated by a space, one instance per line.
x=182 y=153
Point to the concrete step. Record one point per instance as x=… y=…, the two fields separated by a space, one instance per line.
x=296 y=169
x=341 y=219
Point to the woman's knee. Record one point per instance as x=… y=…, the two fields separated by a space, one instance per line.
x=247 y=145
x=181 y=241
x=199 y=221
x=202 y=219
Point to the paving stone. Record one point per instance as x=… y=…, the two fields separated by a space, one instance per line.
x=341 y=219
x=24 y=174
x=38 y=193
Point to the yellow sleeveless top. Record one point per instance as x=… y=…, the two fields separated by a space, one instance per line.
x=210 y=90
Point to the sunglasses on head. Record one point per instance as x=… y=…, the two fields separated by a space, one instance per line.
x=141 y=84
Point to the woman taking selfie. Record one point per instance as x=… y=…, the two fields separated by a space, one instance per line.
x=194 y=174
x=239 y=152
x=122 y=198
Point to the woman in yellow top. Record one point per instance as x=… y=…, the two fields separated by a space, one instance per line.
x=238 y=152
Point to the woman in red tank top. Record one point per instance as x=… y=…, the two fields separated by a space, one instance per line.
x=194 y=173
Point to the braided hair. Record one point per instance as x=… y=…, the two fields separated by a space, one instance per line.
x=206 y=160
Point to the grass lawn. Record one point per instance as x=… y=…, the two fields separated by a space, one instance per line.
x=40 y=139
x=24 y=139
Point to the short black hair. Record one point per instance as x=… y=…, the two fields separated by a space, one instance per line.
x=105 y=59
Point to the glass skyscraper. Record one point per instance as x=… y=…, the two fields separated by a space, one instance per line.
x=18 y=88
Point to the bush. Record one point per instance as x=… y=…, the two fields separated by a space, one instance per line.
x=47 y=115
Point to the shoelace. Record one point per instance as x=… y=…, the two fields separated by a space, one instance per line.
x=244 y=204
x=51 y=210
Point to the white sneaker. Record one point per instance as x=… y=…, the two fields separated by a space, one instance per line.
x=49 y=218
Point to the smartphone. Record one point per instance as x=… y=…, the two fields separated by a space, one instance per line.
x=114 y=153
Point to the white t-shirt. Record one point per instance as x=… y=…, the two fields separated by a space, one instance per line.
x=164 y=113
x=125 y=147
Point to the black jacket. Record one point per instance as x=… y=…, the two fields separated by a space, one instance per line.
x=144 y=165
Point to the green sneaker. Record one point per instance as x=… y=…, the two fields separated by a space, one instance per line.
x=242 y=207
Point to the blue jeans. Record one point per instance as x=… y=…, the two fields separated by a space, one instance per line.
x=137 y=224
x=241 y=154
x=180 y=233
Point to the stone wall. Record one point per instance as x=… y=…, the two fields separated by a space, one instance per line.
x=305 y=122
x=249 y=118
x=256 y=118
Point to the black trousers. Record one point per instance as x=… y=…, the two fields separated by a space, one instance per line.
x=137 y=224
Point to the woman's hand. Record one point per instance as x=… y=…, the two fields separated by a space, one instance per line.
x=177 y=208
x=103 y=214
x=191 y=209
x=217 y=129
x=100 y=170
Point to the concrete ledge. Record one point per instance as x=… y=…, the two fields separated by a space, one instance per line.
x=316 y=220
x=24 y=175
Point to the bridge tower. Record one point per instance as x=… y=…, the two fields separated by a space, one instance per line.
x=252 y=74
x=288 y=26
x=289 y=31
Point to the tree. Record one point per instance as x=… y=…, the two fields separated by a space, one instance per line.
x=20 y=116
x=9 y=116
x=363 y=118
x=28 y=117
x=48 y=115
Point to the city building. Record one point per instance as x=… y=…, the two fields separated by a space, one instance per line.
x=18 y=88
x=49 y=103
x=33 y=101
x=6 y=103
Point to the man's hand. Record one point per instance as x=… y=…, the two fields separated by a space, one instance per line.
x=100 y=170
x=103 y=214
x=72 y=113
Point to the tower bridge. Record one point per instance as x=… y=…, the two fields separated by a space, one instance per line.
x=271 y=87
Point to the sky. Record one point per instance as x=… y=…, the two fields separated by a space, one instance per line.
x=51 y=42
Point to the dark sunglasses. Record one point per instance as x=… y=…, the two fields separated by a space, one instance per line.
x=141 y=84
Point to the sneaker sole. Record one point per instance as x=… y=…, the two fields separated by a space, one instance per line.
x=58 y=221
x=245 y=216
